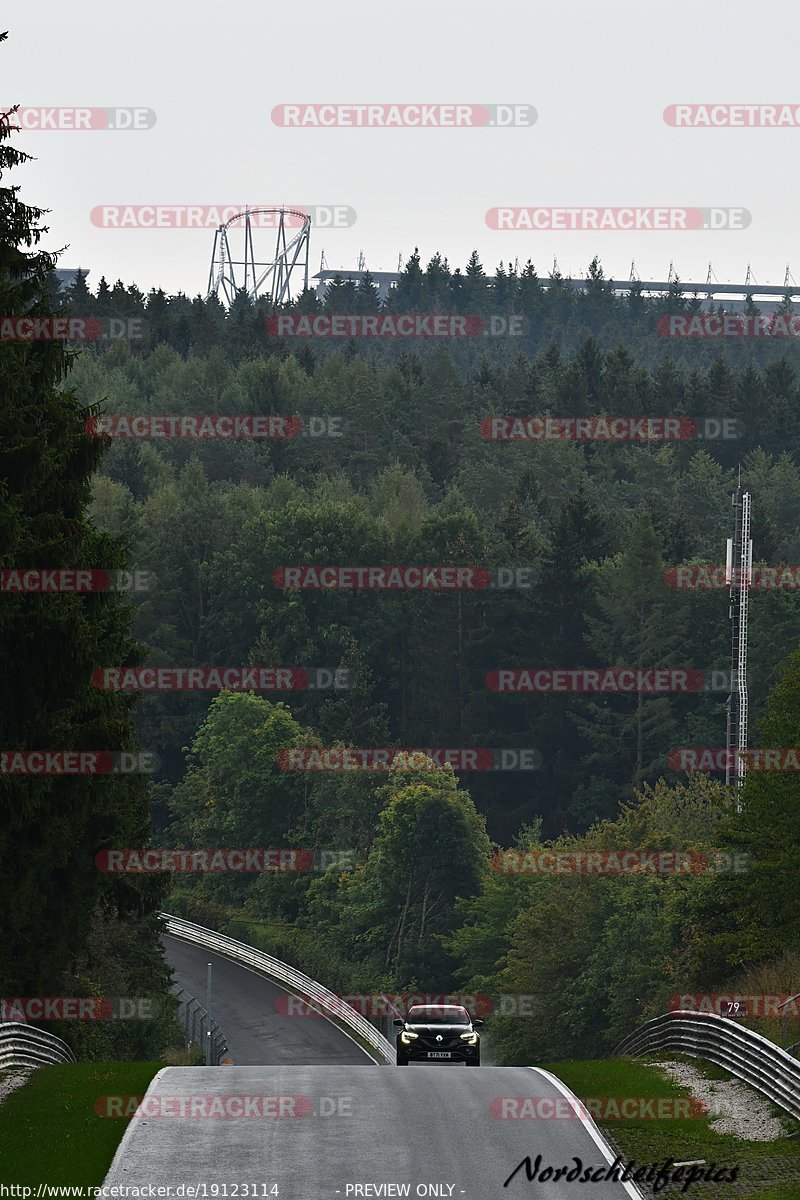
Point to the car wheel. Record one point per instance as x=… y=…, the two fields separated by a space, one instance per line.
x=473 y=1062
x=402 y=1062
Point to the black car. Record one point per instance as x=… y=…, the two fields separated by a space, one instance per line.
x=438 y=1033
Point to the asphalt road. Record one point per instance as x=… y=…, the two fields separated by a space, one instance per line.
x=245 y=1006
x=326 y=1131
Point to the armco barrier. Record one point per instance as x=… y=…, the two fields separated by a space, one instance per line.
x=195 y=1019
x=747 y=1055
x=294 y=981
x=24 y=1045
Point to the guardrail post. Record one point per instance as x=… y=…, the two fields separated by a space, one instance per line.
x=195 y=1012
x=208 y=1011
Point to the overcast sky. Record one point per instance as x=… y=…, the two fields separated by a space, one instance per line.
x=598 y=75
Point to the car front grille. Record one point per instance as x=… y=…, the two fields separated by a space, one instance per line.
x=448 y=1042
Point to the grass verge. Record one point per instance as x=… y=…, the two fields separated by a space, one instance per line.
x=768 y=1170
x=49 y=1130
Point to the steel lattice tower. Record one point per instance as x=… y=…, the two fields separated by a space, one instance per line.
x=738 y=574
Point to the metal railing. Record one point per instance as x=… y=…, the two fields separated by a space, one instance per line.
x=23 y=1045
x=194 y=1019
x=745 y=1054
x=294 y=981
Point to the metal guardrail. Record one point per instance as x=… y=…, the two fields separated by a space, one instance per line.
x=295 y=981
x=23 y=1045
x=195 y=1019
x=747 y=1055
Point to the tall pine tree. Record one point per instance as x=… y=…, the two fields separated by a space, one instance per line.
x=55 y=902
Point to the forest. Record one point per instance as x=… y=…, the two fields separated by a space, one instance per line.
x=387 y=464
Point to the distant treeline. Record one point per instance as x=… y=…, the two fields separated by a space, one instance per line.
x=550 y=308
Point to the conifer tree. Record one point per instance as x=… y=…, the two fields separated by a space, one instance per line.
x=53 y=898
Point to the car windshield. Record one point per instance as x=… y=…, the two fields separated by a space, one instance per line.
x=437 y=1016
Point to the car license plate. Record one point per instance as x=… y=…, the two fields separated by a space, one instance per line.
x=439 y=1054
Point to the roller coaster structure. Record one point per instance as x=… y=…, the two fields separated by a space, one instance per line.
x=260 y=277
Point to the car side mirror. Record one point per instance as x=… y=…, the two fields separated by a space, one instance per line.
x=398 y=1022
x=477 y=1024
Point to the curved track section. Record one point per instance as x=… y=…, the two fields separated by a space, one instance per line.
x=252 y=1012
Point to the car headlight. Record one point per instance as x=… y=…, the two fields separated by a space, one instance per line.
x=470 y=1038
x=407 y=1037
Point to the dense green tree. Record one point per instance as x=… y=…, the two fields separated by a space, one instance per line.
x=237 y=790
x=594 y=954
x=431 y=848
x=751 y=916
x=53 y=824
x=640 y=628
x=411 y=292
